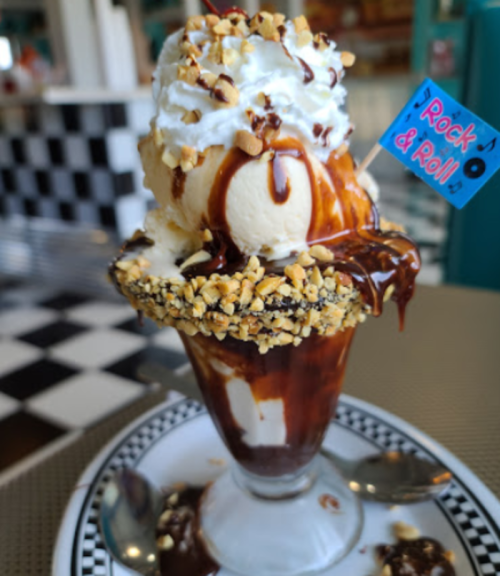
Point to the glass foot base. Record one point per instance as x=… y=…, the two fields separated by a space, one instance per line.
x=301 y=534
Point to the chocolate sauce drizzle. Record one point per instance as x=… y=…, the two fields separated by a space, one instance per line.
x=322 y=37
x=203 y=83
x=317 y=130
x=320 y=130
x=326 y=136
x=422 y=557
x=217 y=93
x=344 y=219
x=279 y=183
x=227 y=78
x=334 y=76
x=308 y=73
x=261 y=123
x=179 y=180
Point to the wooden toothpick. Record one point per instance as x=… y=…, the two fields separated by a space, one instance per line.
x=211 y=7
x=369 y=159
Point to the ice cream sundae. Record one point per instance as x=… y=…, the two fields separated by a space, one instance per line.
x=266 y=249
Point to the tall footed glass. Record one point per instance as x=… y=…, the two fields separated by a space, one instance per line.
x=281 y=509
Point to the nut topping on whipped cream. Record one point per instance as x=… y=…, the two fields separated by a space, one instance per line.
x=239 y=48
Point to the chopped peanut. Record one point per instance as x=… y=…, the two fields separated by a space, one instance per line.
x=229 y=56
x=305 y=259
x=222 y=28
x=300 y=24
x=347 y=59
x=225 y=93
x=215 y=53
x=305 y=38
x=195 y=23
x=188 y=74
x=189 y=158
x=246 y=47
x=212 y=20
x=268 y=285
x=278 y=19
x=248 y=143
x=191 y=117
x=321 y=253
x=268 y=31
x=169 y=159
x=404 y=531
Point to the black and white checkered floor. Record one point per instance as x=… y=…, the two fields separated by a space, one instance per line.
x=66 y=361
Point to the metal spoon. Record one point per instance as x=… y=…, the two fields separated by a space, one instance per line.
x=130 y=508
x=390 y=477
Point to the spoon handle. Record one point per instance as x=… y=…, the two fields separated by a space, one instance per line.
x=152 y=372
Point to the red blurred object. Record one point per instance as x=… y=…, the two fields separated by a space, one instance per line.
x=234 y=9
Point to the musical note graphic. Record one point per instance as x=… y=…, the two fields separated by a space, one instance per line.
x=491 y=144
x=427 y=96
x=455 y=115
x=424 y=135
x=454 y=188
x=408 y=117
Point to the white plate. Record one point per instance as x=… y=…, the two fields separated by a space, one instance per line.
x=178 y=442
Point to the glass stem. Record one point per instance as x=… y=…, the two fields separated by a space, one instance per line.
x=280 y=488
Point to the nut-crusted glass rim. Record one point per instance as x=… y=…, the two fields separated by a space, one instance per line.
x=267 y=308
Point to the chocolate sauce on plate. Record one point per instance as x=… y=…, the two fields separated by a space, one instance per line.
x=187 y=556
x=421 y=557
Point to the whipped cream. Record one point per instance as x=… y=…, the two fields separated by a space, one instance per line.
x=273 y=68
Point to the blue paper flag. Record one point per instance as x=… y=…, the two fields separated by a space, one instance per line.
x=443 y=143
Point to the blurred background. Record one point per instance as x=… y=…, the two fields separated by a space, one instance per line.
x=75 y=98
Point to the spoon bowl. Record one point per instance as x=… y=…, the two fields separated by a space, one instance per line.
x=393 y=477
x=129 y=511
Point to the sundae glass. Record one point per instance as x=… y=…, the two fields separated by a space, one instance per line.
x=265 y=253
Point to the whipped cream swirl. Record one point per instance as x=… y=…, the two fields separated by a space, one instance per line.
x=302 y=83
